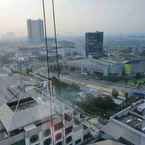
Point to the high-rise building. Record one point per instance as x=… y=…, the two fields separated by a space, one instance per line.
x=35 y=30
x=94 y=44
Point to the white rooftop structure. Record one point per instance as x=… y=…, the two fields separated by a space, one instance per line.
x=102 y=65
x=128 y=125
x=108 y=142
x=14 y=120
x=141 y=107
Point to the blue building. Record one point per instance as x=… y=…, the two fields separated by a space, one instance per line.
x=94 y=44
x=35 y=30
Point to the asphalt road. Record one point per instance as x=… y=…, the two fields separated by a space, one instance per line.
x=100 y=85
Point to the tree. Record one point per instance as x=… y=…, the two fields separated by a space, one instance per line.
x=99 y=106
x=115 y=93
x=126 y=94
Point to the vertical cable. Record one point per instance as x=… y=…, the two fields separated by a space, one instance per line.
x=55 y=38
x=46 y=47
x=48 y=71
x=45 y=37
x=57 y=61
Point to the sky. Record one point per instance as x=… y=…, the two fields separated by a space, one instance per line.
x=75 y=17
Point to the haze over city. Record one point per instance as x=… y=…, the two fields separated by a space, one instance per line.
x=74 y=17
x=74 y=77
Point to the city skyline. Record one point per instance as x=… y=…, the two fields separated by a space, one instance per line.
x=75 y=78
x=75 y=17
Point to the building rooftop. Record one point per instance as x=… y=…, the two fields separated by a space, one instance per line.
x=30 y=109
x=128 y=124
x=108 y=60
x=102 y=61
x=134 y=117
x=34 y=108
x=108 y=142
x=13 y=120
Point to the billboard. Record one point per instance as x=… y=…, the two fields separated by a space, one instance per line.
x=128 y=68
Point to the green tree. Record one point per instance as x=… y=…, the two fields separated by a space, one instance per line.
x=99 y=106
x=115 y=93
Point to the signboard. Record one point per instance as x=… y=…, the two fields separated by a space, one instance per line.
x=128 y=68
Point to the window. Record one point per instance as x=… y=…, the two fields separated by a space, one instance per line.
x=78 y=141
x=47 y=141
x=34 y=138
x=46 y=133
x=59 y=143
x=58 y=126
x=68 y=130
x=67 y=117
x=68 y=140
x=58 y=136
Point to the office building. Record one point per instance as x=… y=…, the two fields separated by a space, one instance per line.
x=94 y=44
x=35 y=30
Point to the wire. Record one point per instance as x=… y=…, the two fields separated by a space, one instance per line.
x=55 y=38
x=18 y=103
x=46 y=47
x=49 y=83
x=57 y=61
x=45 y=37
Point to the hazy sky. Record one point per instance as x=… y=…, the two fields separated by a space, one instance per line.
x=75 y=16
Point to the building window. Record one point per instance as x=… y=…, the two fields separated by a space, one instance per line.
x=67 y=117
x=58 y=136
x=68 y=130
x=58 y=126
x=78 y=141
x=34 y=138
x=59 y=143
x=47 y=133
x=68 y=140
x=47 y=141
